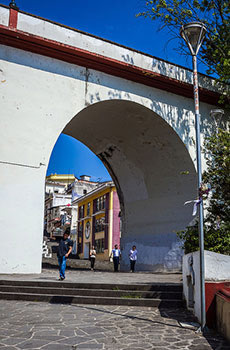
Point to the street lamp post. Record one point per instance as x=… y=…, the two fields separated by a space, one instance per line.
x=193 y=33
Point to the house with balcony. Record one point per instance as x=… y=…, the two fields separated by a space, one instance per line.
x=60 y=214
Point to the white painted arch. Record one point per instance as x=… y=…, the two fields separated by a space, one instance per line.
x=148 y=131
x=146 y=159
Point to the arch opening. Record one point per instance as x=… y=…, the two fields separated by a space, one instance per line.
x=147 y=161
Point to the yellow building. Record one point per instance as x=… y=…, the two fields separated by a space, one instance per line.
x=61 y=178
x=98 y=221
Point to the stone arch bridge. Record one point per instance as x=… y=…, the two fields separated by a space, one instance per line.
x=132 y=110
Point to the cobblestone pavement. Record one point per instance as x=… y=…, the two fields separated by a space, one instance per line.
x=26 y=325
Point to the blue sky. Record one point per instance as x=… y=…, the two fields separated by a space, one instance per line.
x=113 y=20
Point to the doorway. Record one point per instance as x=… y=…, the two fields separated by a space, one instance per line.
x=86 y=250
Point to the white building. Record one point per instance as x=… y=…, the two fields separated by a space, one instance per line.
x=81 y=186
x=54 y=187
x=59 y=213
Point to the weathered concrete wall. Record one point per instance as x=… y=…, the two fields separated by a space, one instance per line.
x=216 y=269
x=40 y=96
x=4 y=16
x=143 y=135
x=69 y=36
x=223 y=314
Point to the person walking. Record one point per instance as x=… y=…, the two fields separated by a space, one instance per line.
x=92 y=255
x=116 y=253
x=64 y=249
x=132 y=258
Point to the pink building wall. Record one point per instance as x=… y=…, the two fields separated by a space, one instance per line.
x=116 y=220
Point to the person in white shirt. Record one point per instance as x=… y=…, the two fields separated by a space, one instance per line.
x=92 y=255
x=132 y=258
x=116 y=253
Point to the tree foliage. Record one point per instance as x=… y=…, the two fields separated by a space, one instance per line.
x=217 y=220
x=215 y=51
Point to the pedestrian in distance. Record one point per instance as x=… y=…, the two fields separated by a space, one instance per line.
x=133 y=258
x=116 y=253
x=64 y=249
x=92 y=256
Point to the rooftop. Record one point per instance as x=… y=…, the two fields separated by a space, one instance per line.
x=94 y=191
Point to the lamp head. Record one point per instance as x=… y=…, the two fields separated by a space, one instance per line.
x=13 y=5
x=217 y=115
x=193 y=33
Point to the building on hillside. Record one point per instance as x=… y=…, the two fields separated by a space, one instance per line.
x=98 y=221
x=59 y=213
x=57 y=217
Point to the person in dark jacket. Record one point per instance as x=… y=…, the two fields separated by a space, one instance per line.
x=64 y=249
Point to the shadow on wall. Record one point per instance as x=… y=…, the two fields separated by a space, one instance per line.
x=177 y=111
x=146 y=159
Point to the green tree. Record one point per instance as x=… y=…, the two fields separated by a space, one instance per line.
x=215 y=51
x=217 y=220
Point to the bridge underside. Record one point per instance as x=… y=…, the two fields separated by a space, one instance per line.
x=147 y=161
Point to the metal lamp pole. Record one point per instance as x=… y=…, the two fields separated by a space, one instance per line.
x=193 y=33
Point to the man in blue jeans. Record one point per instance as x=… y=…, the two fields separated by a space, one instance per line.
x=116 y=253
x=64 y=249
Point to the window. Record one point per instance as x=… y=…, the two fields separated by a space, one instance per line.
x=99 y=225
x=97 y=204
x=84 y=191
x=88 y=209
x=100 y=203
x=81 y=212
x=100 y=245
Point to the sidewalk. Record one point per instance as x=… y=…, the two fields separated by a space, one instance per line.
x=87 y=276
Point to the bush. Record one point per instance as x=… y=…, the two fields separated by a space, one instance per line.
x=217 y=219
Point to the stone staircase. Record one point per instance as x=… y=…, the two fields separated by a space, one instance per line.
x=167 y=295
x=46 y=253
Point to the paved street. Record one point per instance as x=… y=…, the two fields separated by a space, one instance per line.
x=36 y=325
x=26 y=325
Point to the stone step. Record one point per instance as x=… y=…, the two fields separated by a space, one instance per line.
x=163 y=287
x=67 y=299
x=91 y=292
x=157 y=294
